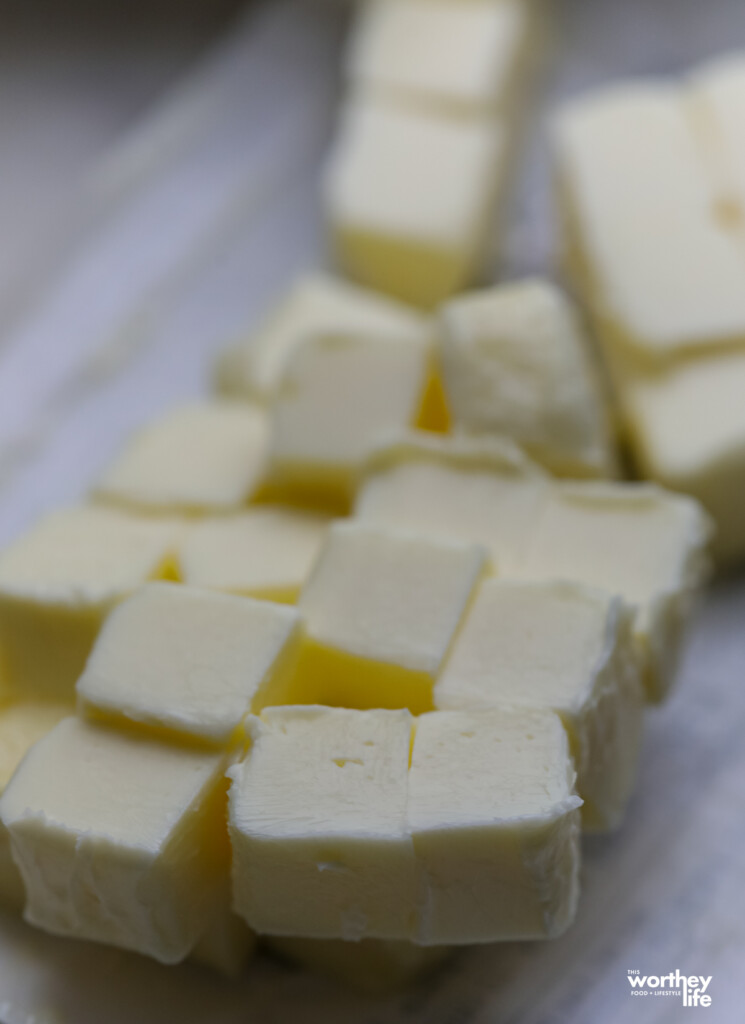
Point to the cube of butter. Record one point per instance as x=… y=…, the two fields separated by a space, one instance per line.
x=21 y=725
x=381 y=609
x=475 y=489
x=317 y=305
x=190 y=661
x=495 y=824
x=660 y=270
x=119 y=839
x=636 y=540
x=515 y=362
x=338 y=396
x=564 y=647
x=318 y=825
x=410 y=197
x=60 y=580
x=265 y=552
x=456 y=57
x=203 y=457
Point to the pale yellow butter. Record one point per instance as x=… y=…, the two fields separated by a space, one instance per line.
x=567 y=648
x=515 y=362
x=119 y=839
x=318 y=825
x=190 y=661
x=495 y=825
x=203 y=457
x=60 y=580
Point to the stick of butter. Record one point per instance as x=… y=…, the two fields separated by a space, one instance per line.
x=515 y=362
x=206 y=457
x=190 y=661
x=410 y=197
x=380 y=610
x=318 y=825
x=338 y=395
x=265 y=552
x=119 y=839
x=318 y=305
x=567 y=648
x=59 y=581
x=456 y=57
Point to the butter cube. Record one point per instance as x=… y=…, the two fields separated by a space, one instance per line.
x=639 y=541
x=119 y=839
x=266 y=552
x=204 y=457
x=495 y=825
x=317 y=306
x=475 y=489
x=717 y=94
x=455 y=56
x=515 y=362
x=21 y=725
x=688 y=431
x=410 y=197
x=567 y=648
x=370 y=965
x=339 y=395
x=318 y=825
x=381 y=609
x=190 y=661
x=59 y=581
x=661 y=271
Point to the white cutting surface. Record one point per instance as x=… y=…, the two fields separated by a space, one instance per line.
x=191 y=225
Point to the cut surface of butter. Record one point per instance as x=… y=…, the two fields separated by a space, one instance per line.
x=381 y=609
x=190 y=661
x=207 y=456
x=265 y=552
x=663 y=274
x=516 y=363
x=21 y=725
x=453 y=56
x=481 y=490
x=318 y=305
x=318 y=825
x=338 y=395
x=59 y=581
x=567 y=648
x=495 y=825
x=688 y=432
x=410 y=197
x=119 y=839
x=370 y=965
x=636 y=540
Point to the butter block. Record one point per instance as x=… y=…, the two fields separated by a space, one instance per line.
x=370 y=965
x=567 y=648
x=456 y=57
x=515 y=362
x=381 y=609
x=636 y=540
x=661 y=271
x=495 y=824
x=482 y=490
x=203 y=457
x=687 y=427
x=190 y=661
x=338 y=396
x=265 y=552
x=717 y=95
x=59 y=581
x=317 y=306
x=410 y=197
x=21 y=725
x=119 y=839
x=318 y=825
